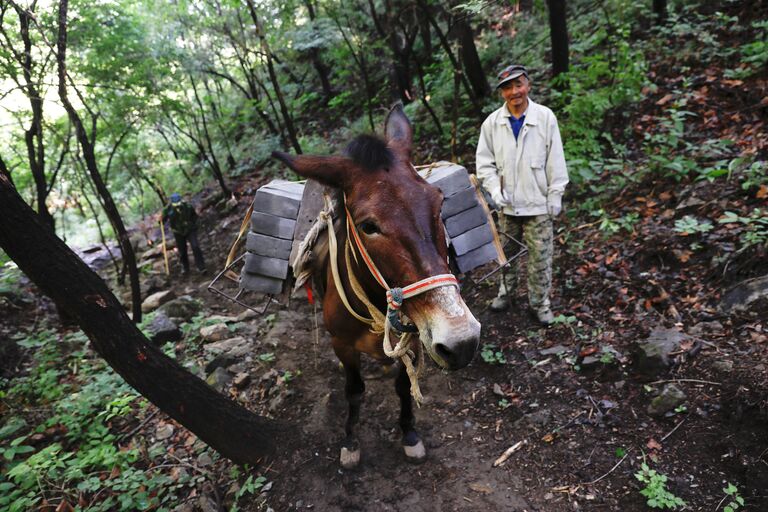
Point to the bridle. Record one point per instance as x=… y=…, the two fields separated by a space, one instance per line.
x=396 y=295
x=382 y=323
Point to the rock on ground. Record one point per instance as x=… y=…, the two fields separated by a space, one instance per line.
x=739 y=297
x=156 y=300
x=182 y=308
x=215 y=332
x=162 y=329
x=651 y=356
x=669 y=398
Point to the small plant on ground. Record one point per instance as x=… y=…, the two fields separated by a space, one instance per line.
x=656 y=489
x=755 y=227
x=491 y=355
x=690 y=225
x=736 y=501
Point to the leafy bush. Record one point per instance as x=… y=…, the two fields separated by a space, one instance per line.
x=656 y=489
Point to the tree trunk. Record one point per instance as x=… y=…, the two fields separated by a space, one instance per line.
x=292 y=134
x=558 y=31
x=89 y=155
x=317 y=62
x=471 y=60
x=423 y=96
x=228 y=428
x=34 y=135
x=454 y=61
x=660 y=10
x=213 y=161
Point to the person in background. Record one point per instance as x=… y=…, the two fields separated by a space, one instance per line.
x=520 y=162
x=182 y=218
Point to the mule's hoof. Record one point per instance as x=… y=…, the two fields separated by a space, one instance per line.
x=349 y=458
x=416 y=453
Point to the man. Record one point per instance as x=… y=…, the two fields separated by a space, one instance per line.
x=520 y=162
x=183 y=221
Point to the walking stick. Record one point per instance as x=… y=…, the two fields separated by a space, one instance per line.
x=165 y=251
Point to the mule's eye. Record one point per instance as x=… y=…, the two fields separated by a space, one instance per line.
x=369 y=228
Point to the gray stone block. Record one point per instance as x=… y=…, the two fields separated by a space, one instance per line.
x=272 y=267
x=458 y=202
x=261 y=284
x=266 y=224
x=449 y=178
x=294 y=188
x=476 y=257
x=276 y=202
x=268 y=246
x=465 y=221
x=472 y=239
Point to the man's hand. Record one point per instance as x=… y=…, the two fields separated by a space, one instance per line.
x=553 y=210
x=499 y=200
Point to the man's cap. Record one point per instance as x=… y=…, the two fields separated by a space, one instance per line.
x=175 y=197
x=509 y=73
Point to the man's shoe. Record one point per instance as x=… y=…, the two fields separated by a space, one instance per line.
x=544 y=316
x=499 y=304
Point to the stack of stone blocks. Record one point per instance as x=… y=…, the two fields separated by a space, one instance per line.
x=466 y=220
x=274 y=229
x=275 y=209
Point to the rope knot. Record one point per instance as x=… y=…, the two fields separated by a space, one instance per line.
x=395 y=298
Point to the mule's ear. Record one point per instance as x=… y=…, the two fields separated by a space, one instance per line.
x=328 y=170
x=398 y=128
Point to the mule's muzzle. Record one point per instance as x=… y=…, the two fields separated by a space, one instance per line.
x=448 y=330
x=456 y=356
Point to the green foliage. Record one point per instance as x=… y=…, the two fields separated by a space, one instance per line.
x=267 y=357
x=656 y=489
x=690 y=225
x=736 y=501
x=492 y=355
x=751 y=174
x=755 y=226
x=598 y=82
x=83 y=400
x=250 y=487
x=10 y=277
x=754 y=55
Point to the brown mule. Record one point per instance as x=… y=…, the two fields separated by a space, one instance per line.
x=397 y=216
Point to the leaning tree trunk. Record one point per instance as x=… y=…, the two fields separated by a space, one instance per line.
x=228 y=428
x=471 y=59
x=129 y=258
x=558 y=31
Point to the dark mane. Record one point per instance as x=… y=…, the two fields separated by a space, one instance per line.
x=369 y=152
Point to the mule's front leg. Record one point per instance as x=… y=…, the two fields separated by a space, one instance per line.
x=353 y=389
x=412 y=445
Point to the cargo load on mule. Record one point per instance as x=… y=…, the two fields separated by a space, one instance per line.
x=279 y=258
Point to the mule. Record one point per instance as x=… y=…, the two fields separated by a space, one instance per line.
x=395 y=215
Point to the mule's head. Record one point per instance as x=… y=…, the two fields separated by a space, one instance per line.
x=397 y=215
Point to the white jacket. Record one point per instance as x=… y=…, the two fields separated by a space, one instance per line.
x=526 y=176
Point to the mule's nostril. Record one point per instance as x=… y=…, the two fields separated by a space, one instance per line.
x=445 y=353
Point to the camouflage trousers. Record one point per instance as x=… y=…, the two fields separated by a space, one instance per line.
x=537 y=235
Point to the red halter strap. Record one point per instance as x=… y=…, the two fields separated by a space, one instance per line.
x=396 y=295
